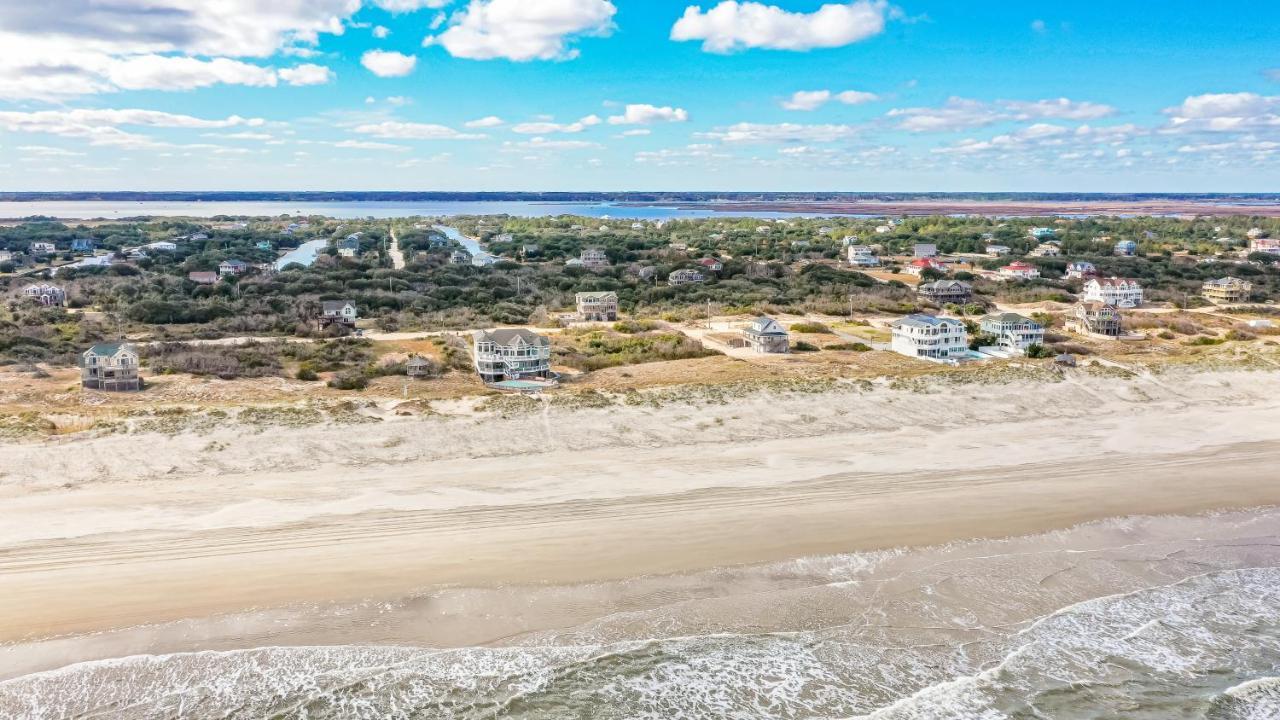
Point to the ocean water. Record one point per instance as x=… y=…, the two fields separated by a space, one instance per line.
x=1144 y=619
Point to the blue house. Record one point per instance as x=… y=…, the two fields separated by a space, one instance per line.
x=1127 y=248
x=264 y=245
x=84 y=245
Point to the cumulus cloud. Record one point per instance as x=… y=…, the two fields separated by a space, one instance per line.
x=384 y=63
x=961 y=114
x=306 y=75
x=541 y=143
x=369 y=145
x=731 y=26
x=1057 y=109
x=405 y=6
x=394 y=130
x=524 y=30
x=1225 y=112
x=546 y=127
x=649 y=114
x=103 y=127
x=56 y=49
x=780 y=133
x=688 y=155
x=381 y=32
x=485 y=122
x=814 y=99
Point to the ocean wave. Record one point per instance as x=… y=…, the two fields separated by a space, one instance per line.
x=1172 y=641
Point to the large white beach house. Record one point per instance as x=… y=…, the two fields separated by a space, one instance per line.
x=929 y=337
x=1120 y=292
x=511 y=354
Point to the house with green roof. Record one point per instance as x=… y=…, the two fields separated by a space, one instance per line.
x=112 y=367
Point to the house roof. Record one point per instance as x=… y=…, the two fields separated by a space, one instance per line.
x=766 y=326
x=1111 y=282
x=600 y=295
x=334 y=306
x=924 y=321
x=942 y=286
x=509 y=336
x=200 y=275
x=107 y=349
x=1018 y=265
x=1009 y=318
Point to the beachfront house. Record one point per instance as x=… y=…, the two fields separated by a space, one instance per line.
x=460 y=257
x=941 y=292
x=232 y=268
x=1227 y=290
x=42 y=248
x=513 y=354
x=861 y=256
x=1047 y=250
x=420 y=367
x=337 y=312
x=684 y=277
x=930 y=338
x=766 y=335
x=594 y=258
x=110 y=366
x=1096 y=318
x=47 y=295
x=1014 y=333
x=1081 y=270
x=598 y=306
x=1019 y=270
x=924 y=250
x=1120 y=292
x=84 y=245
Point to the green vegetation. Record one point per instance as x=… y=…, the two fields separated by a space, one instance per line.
x=588 y=349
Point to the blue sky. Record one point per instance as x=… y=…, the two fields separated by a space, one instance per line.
x=630 y=94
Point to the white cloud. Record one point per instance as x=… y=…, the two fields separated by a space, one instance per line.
x=369 y=145
x=636 y=132
x=381 y=32
x=485 y=122
x=404 y=6
x=393 y=130
x=649 y=114
x=961 y=114
x=306 y=75
x=48 y=151
x=780 y=133
x=102 y=127
x=1057 y=109
x=956 y=114
x=1225 y=112
x=388 y=64
x=1038 y=26
x=688 y=155
x=524 y=30
x=540 y=143
x=159 y=72
x=813 y=99
x=732 y=25
x=55 y=49
x=545 y=127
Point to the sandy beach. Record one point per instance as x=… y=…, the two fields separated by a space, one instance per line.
x=118 y=532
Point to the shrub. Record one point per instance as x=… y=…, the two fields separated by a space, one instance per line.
x=803 y=346
x=631 y=327
x=307 y=372
x=810 y=327
x=855 y=347
x=349 y=380
x=1038 y=351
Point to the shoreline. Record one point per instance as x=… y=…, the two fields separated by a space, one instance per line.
x=653 y=491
